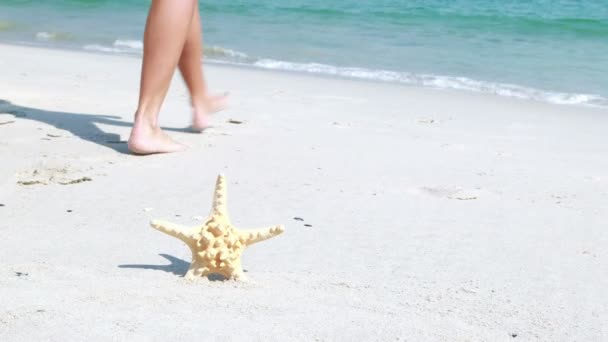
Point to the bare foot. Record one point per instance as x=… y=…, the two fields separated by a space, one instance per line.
x=201 y=118
x=146 y=139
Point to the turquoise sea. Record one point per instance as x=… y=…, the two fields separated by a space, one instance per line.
x=551 y=50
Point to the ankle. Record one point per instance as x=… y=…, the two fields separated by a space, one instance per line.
x=144 y=121
x=199 y=102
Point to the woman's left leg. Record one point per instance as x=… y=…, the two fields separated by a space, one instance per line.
x=191 y=68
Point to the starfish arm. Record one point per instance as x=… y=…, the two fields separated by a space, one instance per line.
x=250 y=237
x=220 y=197
x=175 y=230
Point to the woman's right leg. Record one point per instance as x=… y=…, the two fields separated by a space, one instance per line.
x=166 y=32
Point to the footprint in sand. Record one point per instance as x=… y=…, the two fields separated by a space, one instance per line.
x=58 y=174
x=7 y=118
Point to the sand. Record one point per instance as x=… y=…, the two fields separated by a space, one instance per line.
x=427 y=215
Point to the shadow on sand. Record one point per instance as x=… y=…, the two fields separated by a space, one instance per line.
x=177 y=266
x=81 y=125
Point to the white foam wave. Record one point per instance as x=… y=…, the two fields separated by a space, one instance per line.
x=136 y=46
x=103 y=48
x=439 y=82
x=45 y=35
x=223 y=55
x=119 y=46
x=215 y=51
x=129 y=44
x=53 y=36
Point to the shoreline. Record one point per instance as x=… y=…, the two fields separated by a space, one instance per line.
x=427 y=214
x=520 y=92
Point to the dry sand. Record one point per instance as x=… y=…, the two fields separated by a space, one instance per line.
x=433 y=215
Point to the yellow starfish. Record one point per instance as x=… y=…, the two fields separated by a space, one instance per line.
x=216 y=245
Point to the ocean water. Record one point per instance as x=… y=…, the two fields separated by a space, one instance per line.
x=550 y=50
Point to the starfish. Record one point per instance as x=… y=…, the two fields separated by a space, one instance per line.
x=216 y=245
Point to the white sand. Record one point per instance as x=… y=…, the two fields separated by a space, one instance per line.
x=435 y=215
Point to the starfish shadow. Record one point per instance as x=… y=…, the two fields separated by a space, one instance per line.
x=177 y=266
x=82 y=125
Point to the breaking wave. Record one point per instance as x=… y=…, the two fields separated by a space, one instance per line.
x=119 y=46
x=224 y=55
x=438 y=82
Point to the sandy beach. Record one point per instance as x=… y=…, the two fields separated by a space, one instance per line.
x=427 y=215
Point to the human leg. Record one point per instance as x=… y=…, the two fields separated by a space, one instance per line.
x=190 y=66
x=164 y=39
